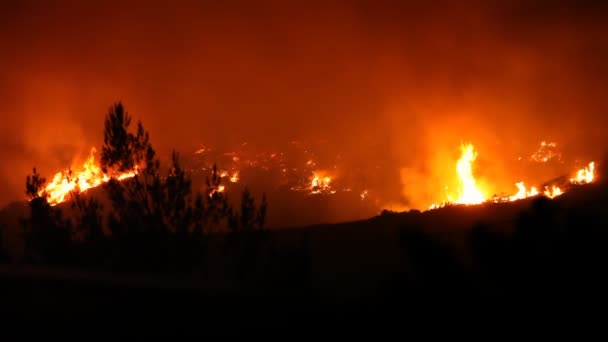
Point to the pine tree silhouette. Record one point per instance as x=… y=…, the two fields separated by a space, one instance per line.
x=47 y=235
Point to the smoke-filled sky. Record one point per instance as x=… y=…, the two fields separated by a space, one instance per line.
x=393 y=81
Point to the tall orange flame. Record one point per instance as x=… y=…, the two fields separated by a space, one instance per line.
x=469 y=192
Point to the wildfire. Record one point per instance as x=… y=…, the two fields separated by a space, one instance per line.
x=584 y=175
x=235 y=177
x=320 y=183
x=88 y=176
x=553 y=192
x=546 y=152
x=219 y=189
x=522 y=192
x=471 y=194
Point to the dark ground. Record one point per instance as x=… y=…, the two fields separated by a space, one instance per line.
x=501 y=267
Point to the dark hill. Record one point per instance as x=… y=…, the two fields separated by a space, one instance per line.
x=539 y=254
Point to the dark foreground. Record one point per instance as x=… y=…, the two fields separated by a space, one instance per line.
x=35 y=303
x=504 y=267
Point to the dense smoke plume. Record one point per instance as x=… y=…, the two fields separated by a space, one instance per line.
x=384 y=82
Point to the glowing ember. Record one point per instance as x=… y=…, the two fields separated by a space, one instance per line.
x=89 y=176
x=469 y=192
x=546 y=152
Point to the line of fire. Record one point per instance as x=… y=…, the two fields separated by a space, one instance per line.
x=307 y=178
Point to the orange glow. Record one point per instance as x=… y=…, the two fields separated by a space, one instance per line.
x=87 y=177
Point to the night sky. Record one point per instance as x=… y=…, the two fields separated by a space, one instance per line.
x=393 y=81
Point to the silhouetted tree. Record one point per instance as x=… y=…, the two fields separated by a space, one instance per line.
x=138 y=228
x=89 y=238
x=155 y=221
x=121 y=149
x=159 y=217
x=249 y=218
x=217 y=208
x=247 y=236
x=47 y=236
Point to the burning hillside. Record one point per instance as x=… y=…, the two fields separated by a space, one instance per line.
x=282 y=169
x=301 y=168
x=470 y=193
x=80 y=179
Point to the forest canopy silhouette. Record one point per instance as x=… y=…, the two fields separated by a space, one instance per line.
x=149 y=221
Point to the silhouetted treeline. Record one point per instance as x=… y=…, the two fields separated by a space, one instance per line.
x=156 y=220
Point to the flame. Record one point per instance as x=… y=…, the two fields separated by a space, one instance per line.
x=320 y=183
x=469 y=192
x=553 y=192
x=219 y=189
x=235 y=177
x=522 y=192
x=584 y=175
x=88 y=176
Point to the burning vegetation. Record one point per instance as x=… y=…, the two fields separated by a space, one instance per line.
x=146 y=205
x=470 y=193
x=301 y=173
x=89 y=175
x=303 y=167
